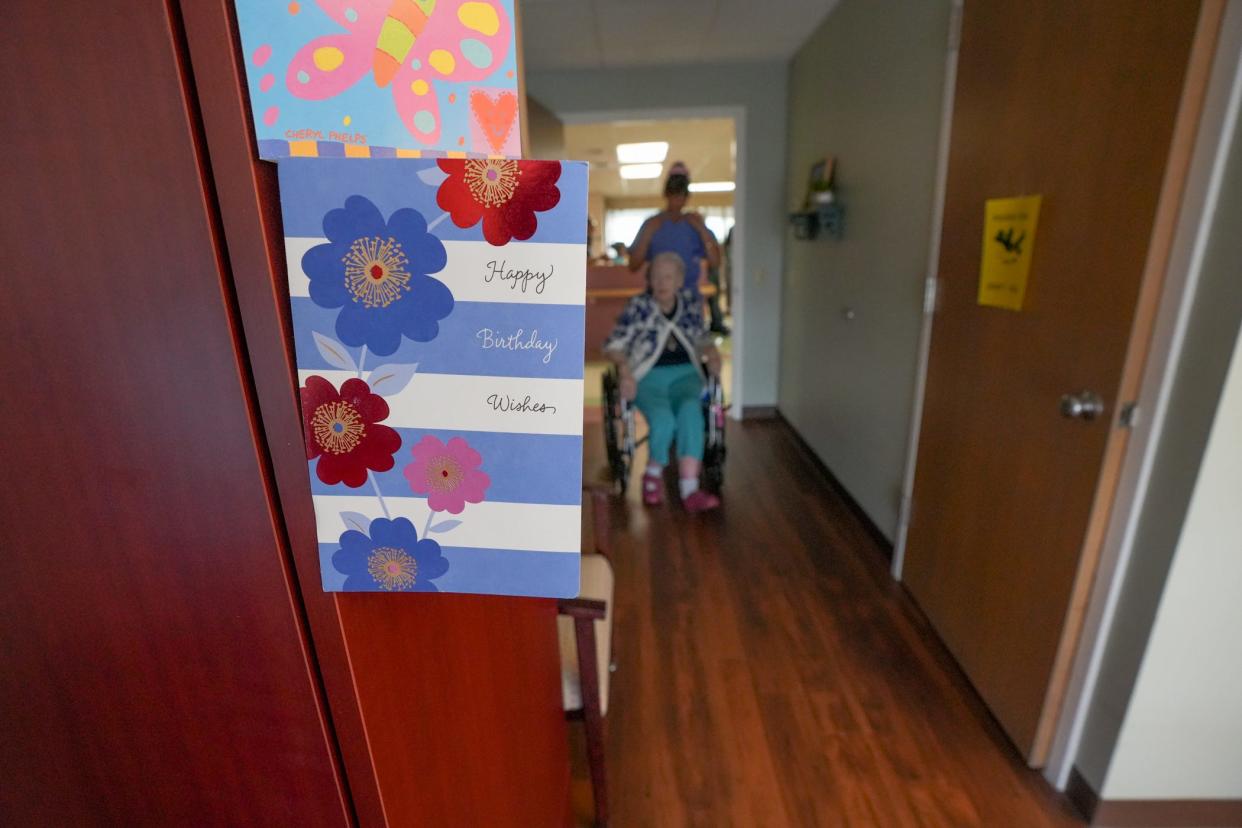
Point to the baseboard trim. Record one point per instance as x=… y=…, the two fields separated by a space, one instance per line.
x=1168 y=813
x=1150 y=813
x=863 y=518
x=759 y=412
x=1080 y=793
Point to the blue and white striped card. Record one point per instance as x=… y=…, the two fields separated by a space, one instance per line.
x=438 y=320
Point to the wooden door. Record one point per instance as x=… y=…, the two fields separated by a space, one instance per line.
x=154 y=665
x=1076 y=102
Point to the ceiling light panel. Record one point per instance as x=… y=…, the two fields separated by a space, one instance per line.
x=647 y=152
x=640 y=170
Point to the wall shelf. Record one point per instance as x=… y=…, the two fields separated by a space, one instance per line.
x=826 y=219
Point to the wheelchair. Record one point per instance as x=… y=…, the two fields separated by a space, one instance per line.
x=621 y=443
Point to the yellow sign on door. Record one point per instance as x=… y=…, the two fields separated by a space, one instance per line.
x=1008 y=240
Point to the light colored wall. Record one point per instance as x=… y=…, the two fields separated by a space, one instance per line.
x=1163 y=658
x=757 y=90
x=657 y=203
x=1182 y=736
x=866 y=88
x=547 y=133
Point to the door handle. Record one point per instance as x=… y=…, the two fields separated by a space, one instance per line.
x=1085 y=405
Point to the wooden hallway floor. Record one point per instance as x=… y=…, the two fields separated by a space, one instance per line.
x=770 y=673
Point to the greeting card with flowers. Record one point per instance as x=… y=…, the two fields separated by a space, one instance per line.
x=381 y=78
x=438 y=323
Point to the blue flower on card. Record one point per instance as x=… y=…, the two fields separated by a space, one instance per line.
x=377 y=273
x=392 y=559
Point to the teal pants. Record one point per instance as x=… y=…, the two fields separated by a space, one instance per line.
x=669 y=397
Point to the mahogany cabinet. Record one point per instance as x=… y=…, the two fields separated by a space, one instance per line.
x=166 y=653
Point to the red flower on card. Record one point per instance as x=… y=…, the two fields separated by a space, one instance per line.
x=504 y=194
x=342 y=428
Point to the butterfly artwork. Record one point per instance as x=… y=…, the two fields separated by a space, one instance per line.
x=382 y=78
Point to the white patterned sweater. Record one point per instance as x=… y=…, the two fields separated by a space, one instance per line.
x=642 y=331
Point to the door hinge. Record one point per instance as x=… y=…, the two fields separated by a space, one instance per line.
x=929 y=295
x=955 y=26
x=1128 y=416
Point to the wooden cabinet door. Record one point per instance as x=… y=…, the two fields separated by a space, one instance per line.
x=1076 y=102
x=447 y=707
x=154 y=666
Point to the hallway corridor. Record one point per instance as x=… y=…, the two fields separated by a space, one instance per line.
x=770 y=672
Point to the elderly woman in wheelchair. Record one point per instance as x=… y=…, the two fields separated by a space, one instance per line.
x=661 y=350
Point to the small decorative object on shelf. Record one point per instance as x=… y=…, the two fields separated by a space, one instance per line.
x=821 y=212
x=831 y=219
x=819 y=185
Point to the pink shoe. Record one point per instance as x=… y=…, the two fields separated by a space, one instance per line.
x=700 y=501
x=653 y=489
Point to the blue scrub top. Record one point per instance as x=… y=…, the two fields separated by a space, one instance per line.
x=682 y=239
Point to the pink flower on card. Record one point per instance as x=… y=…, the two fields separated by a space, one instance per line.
x=448 y=474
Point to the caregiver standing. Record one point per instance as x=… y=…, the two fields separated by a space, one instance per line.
x=673 y=230
x=660 y=346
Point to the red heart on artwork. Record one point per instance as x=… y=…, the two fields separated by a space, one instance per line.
x=494 y=116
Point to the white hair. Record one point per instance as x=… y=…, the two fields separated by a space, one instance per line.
x=671 y=260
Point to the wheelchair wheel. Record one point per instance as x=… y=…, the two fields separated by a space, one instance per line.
x=713 y=468
x=714 y=431
x=614 y=439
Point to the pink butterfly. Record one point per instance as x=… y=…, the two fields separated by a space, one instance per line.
x=408 y=44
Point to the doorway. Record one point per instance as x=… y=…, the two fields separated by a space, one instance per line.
x=629 y=159
x=713 y=139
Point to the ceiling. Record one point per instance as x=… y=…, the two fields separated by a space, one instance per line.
x=706 y=145
x=578 y=34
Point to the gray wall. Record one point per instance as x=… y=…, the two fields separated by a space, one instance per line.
x=866 y=88
x=759 y=90
x=547 y=133
x=1212 y=329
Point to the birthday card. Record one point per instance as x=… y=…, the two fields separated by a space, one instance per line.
x=438 y=310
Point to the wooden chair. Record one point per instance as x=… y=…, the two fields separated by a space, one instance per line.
x=584 y=627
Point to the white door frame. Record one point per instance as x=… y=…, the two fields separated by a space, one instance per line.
x=737 y=278
x=929 y=289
